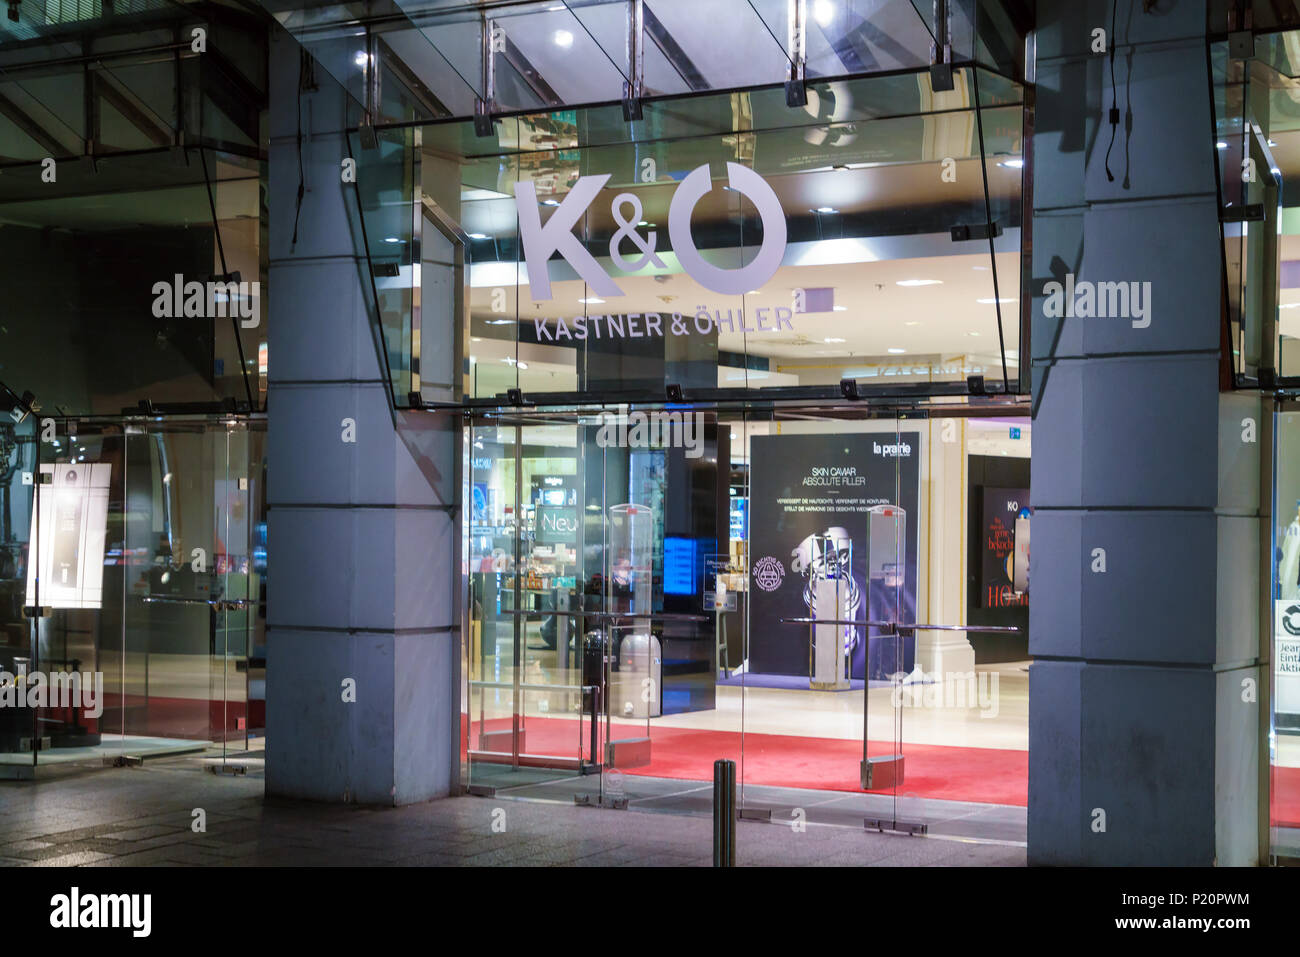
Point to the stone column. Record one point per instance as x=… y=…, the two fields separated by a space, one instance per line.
x=363 y=535
x=1144 y=584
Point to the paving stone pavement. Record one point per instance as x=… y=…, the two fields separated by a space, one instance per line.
x=143 y=816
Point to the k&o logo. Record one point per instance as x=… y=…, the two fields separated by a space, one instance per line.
x=540 y=242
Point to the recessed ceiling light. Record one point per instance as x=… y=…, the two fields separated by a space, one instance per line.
x=834 y=340
x=550 y=202
x=823 y=12
x=521 y=365
x=1290 y=305
x=500 y=322
x=478 y=236
x=1012 y=163
x=919 y=282
x=1220 y=145
x=839 y=308
x=563 y=38
x=825 y=209
x=896 y=352
x=362 y=58
x=989 y=302
x=593 y=299
x=912 y=322
x=475 y=339
x=392 y=239
x=972 y=333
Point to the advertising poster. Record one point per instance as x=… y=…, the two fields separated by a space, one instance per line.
x=69 y=530
x=805 y=486
x=1286 y=648
x=1002 y=507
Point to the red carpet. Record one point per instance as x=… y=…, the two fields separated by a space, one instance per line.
x=984 y=775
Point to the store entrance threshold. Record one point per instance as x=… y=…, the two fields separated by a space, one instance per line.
x=953 y=820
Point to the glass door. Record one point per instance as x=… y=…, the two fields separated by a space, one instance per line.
x=535 y=661
x=238 y=676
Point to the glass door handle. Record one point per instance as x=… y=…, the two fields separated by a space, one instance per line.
x=894 y=627
x=607 y=615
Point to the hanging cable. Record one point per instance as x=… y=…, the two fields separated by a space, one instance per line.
x=1114 y=101
x=304 y=79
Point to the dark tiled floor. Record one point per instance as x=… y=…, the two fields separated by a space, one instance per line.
x=144 y=816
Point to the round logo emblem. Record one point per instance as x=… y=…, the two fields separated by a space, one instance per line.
x=768 y=573
x=1291 y=620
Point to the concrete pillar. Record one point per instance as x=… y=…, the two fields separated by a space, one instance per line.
x=362 y=538
x=1140 y=711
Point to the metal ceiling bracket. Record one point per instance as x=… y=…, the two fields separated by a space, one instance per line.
x=796 y=93
x=634 y=85
x=941 y=50
x=494 y=42
x=369 y=140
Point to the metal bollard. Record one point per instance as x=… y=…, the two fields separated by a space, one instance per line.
x=724 y=813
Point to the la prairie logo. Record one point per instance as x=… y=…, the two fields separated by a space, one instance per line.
x=541 y=242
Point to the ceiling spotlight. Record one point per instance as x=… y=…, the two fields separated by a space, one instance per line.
x=592 y=300
x=825 y=209
x=839 y=308
x=834 y=340
x=896 y=352
x=478 y=235
x=563 y=38
x=1220 y=145
x=550 y=202
x=823 y=12
x=392 y=239
x=919 y=282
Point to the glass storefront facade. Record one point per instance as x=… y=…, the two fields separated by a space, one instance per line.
x=616 y=641
x=134 y=589
x=132 y=461
x=724 y=352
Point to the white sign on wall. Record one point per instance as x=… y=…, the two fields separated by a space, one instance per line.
x=68 y=530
